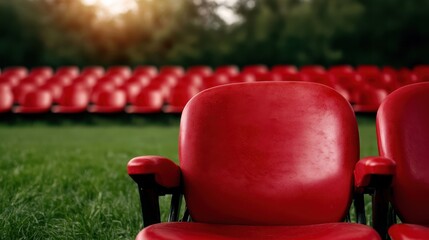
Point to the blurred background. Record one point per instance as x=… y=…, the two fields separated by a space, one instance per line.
x=213 y=32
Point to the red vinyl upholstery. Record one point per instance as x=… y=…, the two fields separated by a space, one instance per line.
x=197 y=231
x=266 y=160
x=403 y=135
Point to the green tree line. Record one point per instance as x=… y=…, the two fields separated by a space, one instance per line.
x=190 y=32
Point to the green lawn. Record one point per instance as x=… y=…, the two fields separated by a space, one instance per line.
x=70 y=181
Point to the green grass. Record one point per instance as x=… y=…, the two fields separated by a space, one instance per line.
x=70 y=181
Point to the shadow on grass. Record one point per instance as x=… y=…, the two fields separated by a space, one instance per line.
x=89 y=119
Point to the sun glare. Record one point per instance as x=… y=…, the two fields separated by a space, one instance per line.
x=111 y=8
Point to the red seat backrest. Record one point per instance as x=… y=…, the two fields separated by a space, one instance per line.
x=403 y=135
x=268 y=153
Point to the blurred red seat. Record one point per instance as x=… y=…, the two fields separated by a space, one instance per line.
x=45 y=72
x=312 y=69
x=284 y=69
x=341 y=69
x=147 y=101
x=131 y=89
x=255 y=69
x=149 y=71
x=178 y=98
x=215 y=80
x=403 y=136
x=200 y=70
x=405 y=77
x=324 y=78
x=21 y=90
x=167 y=79
x=194 y=80
x=86 y=80
x=71 y=71
x=37 y=80
x=230 y=70
x=10 y=79
x=369 y=99
x=114 y=79
x=242 y=78
x=177 y=71
x=109 y=101
x=55 y=90
x=62 y=80
x=269 y=76
x=74 y=99
x=95 y=71
x=123 y=71
x=37 y=101
x=20 y=72
x=101 y=87
x=6 y=98
x=142 y=79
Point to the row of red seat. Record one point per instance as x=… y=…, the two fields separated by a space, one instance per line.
x=147 y=89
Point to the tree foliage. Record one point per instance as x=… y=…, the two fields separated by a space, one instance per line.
x=185 y=32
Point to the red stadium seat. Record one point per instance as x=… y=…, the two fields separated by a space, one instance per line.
x=123 y=71
x=194 y=80
x=37 y=101
x=45 y=72
x=109 y=101
x=131 y=89
x=74 y=99
x=284 y=69
x=95 y=71
x=37 y=80
x=405 y=77
x=71 y=71
x=341 y=69
x=10 y=79
x=200 y=70
x=6 y=98
x=21 y=90
x=255 y=69
x=178 y=98
x=86 y=80
x=312 y=69
x=230 y=70
x=55 y=89
x=291 y=76
x=167 y=79
x=20 y=72
x=114 y=79
x=215 y=80
x=403 y=136
x=318 y=77
x=62 y=80
x=238 y=178
x=242 y=78
x=269 y=76
x=99 y=88
x=368 y=99
x=149 y=71
x=177 y=71
x=147 y=101
x=141 y=79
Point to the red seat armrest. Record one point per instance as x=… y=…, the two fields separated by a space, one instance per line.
x=368 y=167
x=166 y=172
